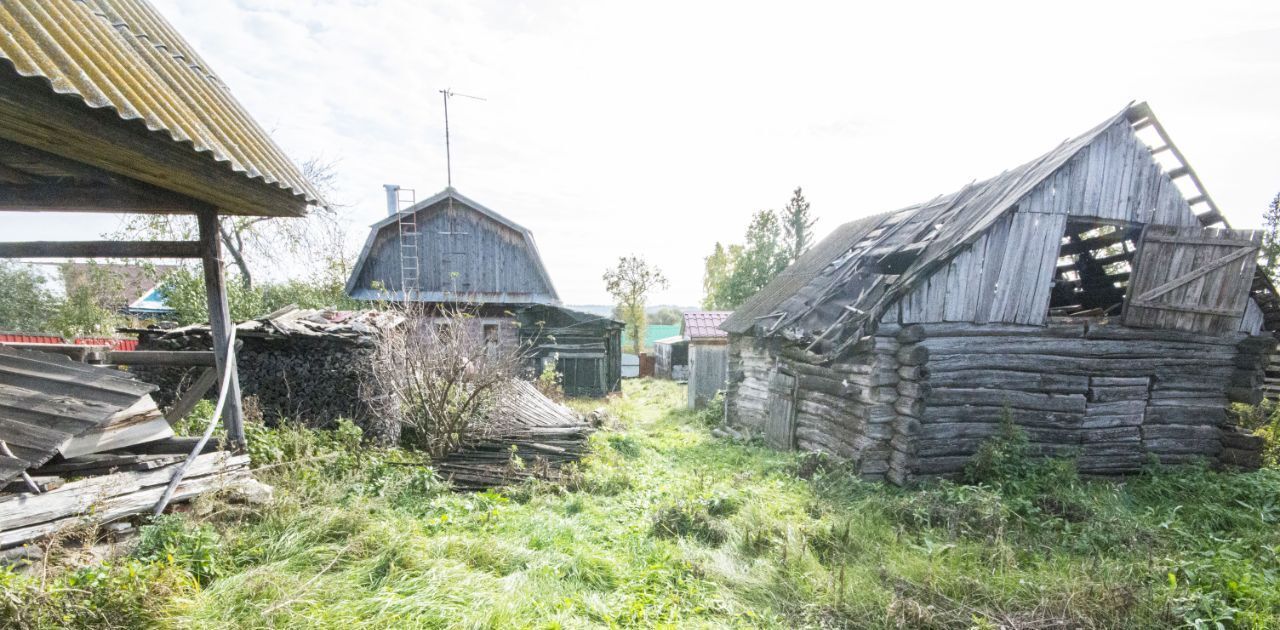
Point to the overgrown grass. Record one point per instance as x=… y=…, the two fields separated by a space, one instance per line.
x=664 y=526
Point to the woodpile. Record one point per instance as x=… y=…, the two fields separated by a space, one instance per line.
x=532 y=436
x=87 y=445
x=304 y=365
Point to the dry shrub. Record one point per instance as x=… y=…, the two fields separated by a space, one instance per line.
x=440 y=378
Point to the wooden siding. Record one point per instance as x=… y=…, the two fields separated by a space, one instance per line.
x=1004 y=276
x=708 y=369
x=461 y=253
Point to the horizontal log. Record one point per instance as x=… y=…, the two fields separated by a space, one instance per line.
x=1070 y=403
x=1085 y=348
x=1112 y=394
x=1120 y=381
x=1185 y=415
x=994 y=413
x=1045 y=382
x=1092 y=421
x=914 y=372
x=964 y=329
x=100 y=249
x=909 y=406
x=1091 y=366
x=912 y=333
x=913 y=355
x=1174 y=446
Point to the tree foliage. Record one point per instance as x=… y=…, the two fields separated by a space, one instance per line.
x=184 y=292
x=737 y=272
x=1271 y=237
x=666 y=316
x=797 y=225
x=25 y=302
x=87 y=309
x=630 y=282
x=256 y=243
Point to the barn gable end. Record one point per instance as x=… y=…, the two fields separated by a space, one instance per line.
x=464 y=252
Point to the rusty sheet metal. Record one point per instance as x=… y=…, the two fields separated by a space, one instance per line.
x=46 y=400
x=123 y=55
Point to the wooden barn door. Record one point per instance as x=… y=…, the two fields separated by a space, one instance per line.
x=1191 y=278
x=780 y=428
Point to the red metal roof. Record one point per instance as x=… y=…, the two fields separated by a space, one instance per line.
x=115 y=344
x=705 y=325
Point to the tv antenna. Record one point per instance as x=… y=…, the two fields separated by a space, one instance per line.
x=448 y=157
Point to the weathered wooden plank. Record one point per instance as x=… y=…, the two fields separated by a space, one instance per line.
x=79 y=496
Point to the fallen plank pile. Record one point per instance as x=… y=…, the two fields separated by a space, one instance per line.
x=305 y=365
x=87 y=444
x=545 y=436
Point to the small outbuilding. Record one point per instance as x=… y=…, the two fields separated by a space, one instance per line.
x=1094 y=296
x=671 y=358
x=708 y=355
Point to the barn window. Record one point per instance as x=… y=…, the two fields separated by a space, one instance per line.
x=1094 y=264
x=491 y=333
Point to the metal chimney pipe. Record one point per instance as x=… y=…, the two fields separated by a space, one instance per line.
x=393 y=198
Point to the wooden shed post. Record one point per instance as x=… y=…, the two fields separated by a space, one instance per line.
x=220 y=320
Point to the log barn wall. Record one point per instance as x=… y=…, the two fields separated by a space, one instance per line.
x=1113 y=396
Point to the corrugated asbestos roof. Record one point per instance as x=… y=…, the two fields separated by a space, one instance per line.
x=46 y=400
x=123 y=55
x=705 y=325
x=833 y=284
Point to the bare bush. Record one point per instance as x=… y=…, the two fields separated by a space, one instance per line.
x=440 y=377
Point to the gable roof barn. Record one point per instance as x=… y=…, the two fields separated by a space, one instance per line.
x=159 y=113
x=850 y=278
x=1094 y=297
x=459 y=250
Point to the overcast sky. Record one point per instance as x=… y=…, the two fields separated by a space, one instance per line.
x=657 y=128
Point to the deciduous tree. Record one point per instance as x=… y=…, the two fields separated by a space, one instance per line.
x=630 y=282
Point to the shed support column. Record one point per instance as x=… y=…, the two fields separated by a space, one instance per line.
x=220 y=321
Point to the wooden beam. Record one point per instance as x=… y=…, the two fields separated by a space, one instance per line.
x=100 y=249
x=220 y=322
x=193 y=395
x=57 y=197
x=184 y=358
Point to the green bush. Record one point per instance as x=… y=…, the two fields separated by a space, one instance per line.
x=172 y=539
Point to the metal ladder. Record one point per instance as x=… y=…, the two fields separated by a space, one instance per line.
x=408 y=225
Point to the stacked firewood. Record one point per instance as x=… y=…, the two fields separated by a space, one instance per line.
x=304 y=365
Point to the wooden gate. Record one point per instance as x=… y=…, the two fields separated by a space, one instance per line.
x=780 y=428
x=1191 y=278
